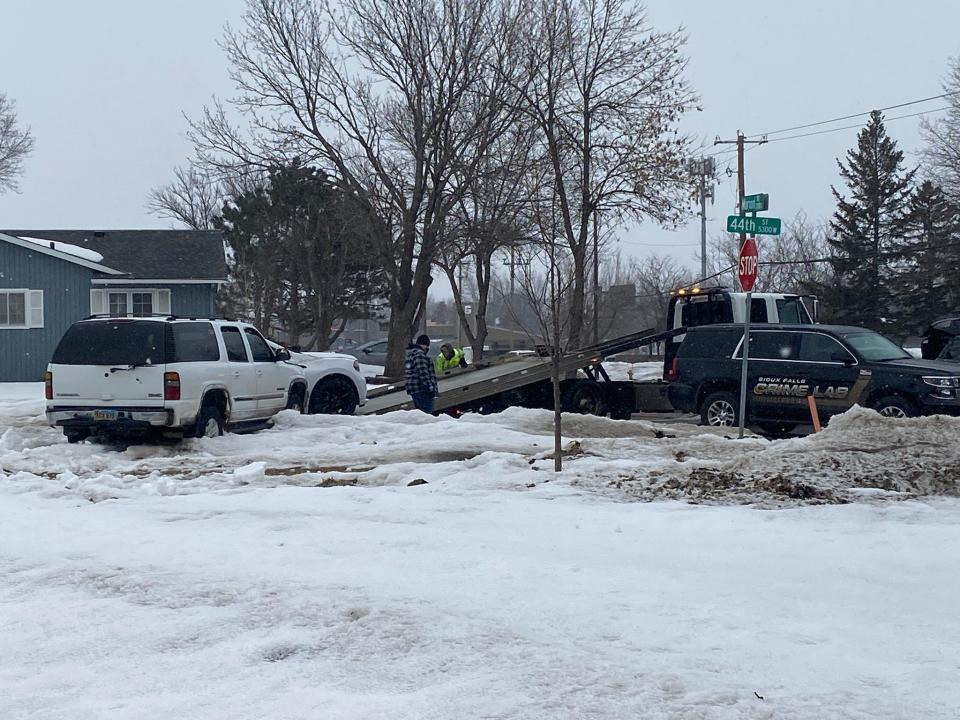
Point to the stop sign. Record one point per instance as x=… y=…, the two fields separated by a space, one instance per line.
x=747 y=264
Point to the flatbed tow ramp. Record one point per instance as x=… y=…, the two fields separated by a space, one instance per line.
x=493 y=385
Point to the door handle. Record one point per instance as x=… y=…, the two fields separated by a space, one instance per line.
x=236 y=373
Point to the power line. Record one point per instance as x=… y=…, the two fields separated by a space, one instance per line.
x=860 y=114
x=849 y=127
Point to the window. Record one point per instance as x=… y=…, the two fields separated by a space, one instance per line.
x=236 y=350
x=21 y=309
x=118 y=342
x=142 y=303
x=258 y=346
x=874 y=346
x=706 y=311
x=194 y=342
x=773 y=346
x=121 y=302
x=118 y=304
x=815 y=347
x=792 y=311
x=758 y=310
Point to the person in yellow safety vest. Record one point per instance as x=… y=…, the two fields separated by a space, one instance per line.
x=448 y=359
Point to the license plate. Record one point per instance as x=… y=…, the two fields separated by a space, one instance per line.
x=104 y=414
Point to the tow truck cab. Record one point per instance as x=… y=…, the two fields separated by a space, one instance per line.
x=695 y=307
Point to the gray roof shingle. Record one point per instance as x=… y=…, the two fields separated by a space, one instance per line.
x=149 y=254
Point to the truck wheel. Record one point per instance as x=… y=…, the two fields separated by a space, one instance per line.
x=894 y=406
x=209 y=422
x=719 y=410
x=584 y=397
x=75 y=436
x=296 y=401
x=777 y=430
x=333 y=396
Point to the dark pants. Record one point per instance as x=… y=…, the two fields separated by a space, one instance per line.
x=423 y=401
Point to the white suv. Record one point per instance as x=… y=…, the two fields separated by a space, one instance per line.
x=169 y=376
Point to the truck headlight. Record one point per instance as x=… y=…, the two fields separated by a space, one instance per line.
x=938 y=381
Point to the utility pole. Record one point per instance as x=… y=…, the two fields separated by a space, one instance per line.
x=703 y=169
x=740 y=142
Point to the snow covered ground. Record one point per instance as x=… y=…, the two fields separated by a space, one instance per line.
x=295 y=573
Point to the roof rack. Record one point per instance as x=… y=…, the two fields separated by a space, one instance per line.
x=164 y=316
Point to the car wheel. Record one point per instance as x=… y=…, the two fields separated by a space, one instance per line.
x=584 y=397
x=333 y=396
x=777 y=430
x=75 y=436
x=209 y=422
x=296 y=401
x=894 y=406
x=719 y=410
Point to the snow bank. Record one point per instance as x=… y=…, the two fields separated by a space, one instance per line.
x=67 y=248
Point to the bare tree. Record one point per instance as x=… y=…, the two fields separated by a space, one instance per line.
x=605 y=93
x=657 y=276
x=15 y=145
x=396 y=99
x=490 y=218
x=194 y=198
x=941 y=156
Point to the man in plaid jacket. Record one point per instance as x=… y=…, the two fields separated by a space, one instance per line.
x=420 y=376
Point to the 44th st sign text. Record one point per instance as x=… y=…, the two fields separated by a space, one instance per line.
x=753 y=225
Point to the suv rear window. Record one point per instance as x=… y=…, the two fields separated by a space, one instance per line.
x=119 y=342
x=194 y=342
x=713 y=344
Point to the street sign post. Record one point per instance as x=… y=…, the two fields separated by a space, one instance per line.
x=753 y=225
x=747 y=264
x=747 y=273
x=756 y=203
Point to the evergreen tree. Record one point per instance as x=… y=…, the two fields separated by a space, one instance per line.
x=928 y=286
x=868 y=227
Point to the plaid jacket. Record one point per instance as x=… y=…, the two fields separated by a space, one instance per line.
x=419 y=372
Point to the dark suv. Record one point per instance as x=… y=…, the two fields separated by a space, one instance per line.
x=839 y=366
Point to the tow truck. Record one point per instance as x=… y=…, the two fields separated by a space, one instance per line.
x=493 y=385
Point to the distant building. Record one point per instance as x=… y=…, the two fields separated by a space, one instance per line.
x=49 y=279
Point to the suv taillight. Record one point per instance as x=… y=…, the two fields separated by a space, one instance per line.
x=674 y=372
x=48 y=385
x=171 y=386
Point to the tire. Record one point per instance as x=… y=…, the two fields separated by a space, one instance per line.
x=720 y=409
x=296 y=400
x=778 y=430
x=75 y=436
x=894 y=406
x=585 y=398
x=333 y=396
x=209 y=422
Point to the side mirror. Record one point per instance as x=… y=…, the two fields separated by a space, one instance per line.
x=282 y=355
x=366 y=351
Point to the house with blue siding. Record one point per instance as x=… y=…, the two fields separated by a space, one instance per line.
x=49 y=279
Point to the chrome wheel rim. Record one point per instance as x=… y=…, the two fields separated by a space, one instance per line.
x=721 y=414
x=892 y=411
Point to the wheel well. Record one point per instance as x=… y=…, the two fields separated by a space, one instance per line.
x=298 y=386
x=881 y=392
x=219 y=400
x=712 y=387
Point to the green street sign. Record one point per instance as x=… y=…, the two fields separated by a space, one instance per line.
x=756 y=203
x=753 y=225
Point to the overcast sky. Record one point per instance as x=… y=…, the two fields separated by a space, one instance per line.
x=104 y=85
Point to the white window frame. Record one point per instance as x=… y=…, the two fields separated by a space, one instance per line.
x=32 y=308
x=100 y=299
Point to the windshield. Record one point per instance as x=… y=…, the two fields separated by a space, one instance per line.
x=119 y=342
x=875 y=347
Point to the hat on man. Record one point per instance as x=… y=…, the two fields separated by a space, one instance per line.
x=423 y=340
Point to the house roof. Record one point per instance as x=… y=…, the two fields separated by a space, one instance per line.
x=148 y=254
